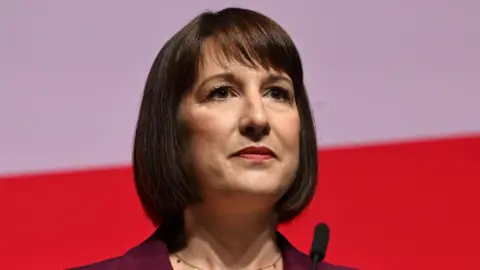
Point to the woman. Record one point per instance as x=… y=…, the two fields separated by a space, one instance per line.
x=225 y=148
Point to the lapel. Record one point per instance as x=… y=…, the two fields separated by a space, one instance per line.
x=153 y=254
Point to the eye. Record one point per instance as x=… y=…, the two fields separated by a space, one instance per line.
x=279 y=94
x=220 y=93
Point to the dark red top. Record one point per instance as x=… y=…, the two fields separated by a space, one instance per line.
x=153 y=255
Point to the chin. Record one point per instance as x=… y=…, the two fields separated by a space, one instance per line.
x=265 y=186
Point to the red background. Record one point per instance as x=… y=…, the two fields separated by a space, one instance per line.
x=399 y=206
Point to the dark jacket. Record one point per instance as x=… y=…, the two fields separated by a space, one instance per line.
x=153 y=254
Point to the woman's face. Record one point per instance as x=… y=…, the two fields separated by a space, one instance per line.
x=243 y=130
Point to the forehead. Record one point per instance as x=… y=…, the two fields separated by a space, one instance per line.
x=215 y=59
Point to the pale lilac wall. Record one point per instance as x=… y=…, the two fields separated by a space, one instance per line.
x=72 y=72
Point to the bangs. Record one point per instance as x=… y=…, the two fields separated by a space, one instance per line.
x=252 y=40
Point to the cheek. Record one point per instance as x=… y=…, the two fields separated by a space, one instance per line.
x=289 y=136
x=289 y=133
x=208 y=137
x=207 y=130
x=208 y=148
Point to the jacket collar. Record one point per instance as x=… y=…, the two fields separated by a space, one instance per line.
x=153 y=252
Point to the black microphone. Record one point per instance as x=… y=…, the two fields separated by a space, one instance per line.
x=319 y=244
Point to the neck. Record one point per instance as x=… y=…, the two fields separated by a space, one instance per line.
x=229 y=240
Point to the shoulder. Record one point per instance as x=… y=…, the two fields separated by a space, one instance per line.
x=110 y=264
x=297 y=260
x=307 y=264
x=303 y=261
x=150 y=254
x=328 y=266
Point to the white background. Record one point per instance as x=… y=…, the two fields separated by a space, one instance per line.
x=72 y=72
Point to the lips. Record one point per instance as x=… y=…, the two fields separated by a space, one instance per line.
x=255 y=153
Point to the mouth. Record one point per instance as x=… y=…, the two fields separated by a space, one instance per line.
x=255 y=153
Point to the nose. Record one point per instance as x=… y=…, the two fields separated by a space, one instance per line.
x=254 y=122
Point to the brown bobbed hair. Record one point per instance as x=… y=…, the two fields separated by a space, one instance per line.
x=241 y=35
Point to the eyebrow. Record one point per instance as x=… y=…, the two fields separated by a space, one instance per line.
x=272 y=78
x=230 y=77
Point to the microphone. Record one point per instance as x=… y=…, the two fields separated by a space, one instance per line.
x=319 y=244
